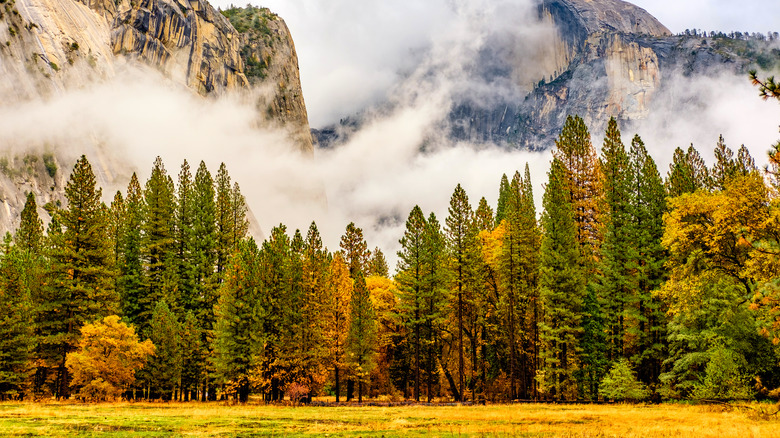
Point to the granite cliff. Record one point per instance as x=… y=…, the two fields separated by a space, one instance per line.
x=613 y=60
x=48 y=47
x=604 y=58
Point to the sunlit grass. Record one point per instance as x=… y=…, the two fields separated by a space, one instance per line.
x=527 y=420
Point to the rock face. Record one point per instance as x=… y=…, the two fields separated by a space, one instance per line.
x=602 y=59
x=609 y=59
x=50 y=46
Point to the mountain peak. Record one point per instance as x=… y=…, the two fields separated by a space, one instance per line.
x=607 y=15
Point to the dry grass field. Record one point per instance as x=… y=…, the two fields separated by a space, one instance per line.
x=527 y=420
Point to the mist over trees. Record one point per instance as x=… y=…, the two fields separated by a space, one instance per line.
x=626 y=286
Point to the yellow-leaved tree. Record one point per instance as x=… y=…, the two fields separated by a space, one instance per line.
x=108 y=355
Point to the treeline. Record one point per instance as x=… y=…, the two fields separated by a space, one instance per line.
x=157 y=256
x=628 y=285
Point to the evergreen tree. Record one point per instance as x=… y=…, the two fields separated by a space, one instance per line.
x=411 y=284
x=462 y=247
x=378 y=264
x=687 y=173
x=204 y=246
x=158 y=245
x=278 y=299
x=315 y=304
x=647 y=211
x=82 y=269
x=164 y=368
x=503 y=198
x=745 y=163
x=576 y=152
x=237 y=336
x=116 y=228
x=701 y=175
x=725 y=167
x=356 y=254
x=192 y=357
x=562 y=285
x=240 y=224
x=130 y=283
x=29 y=236
x=361 y=339
x=355 y=250
x=680 y=178
x=434 y=276
x=483 y=216
x=617 y=267
x=17 y=337
x=185 y=238
x=225 y=216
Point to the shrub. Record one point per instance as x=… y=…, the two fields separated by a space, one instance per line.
x=621 y=384
x=723 y=379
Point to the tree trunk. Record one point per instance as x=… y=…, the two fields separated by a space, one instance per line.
x=460 y=334
x=338 y=388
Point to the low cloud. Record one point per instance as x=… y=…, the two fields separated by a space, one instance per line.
x=401 y=156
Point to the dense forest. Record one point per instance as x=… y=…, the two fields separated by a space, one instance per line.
x=627 y=286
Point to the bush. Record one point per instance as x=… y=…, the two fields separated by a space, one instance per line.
x=723 y=379
x=621 y=384
x=50 y=164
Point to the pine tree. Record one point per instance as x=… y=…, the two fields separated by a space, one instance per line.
x=434 y=276
x=29 y=236
x=378 y=264
x=204 y=246
x=164 y=368
x=462 y=247
x=130 y=282
x=680 y=178
x=82 y=269
x=725 y=167
x=17 y=335
x=745 y=164
x=185 y=238
x=315 y=304
x=511 y=277
x=410 y=279
x=238 y=337
x=617 y=268
x=356 y=254
x=225 y=216
x=483 y=216
x=355 y=250
x=562 y=285
x=361 y=339
x=576 y=152
x=116 y=228
x=277 y=298
x=240 y=224
x=192 y=356
x=647 y=211
x=503 y=198
x=158 y=245
x=701 y=175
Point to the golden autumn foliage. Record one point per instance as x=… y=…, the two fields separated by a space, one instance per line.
x=337 y=314
x=109 y=353
x=710 y=234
